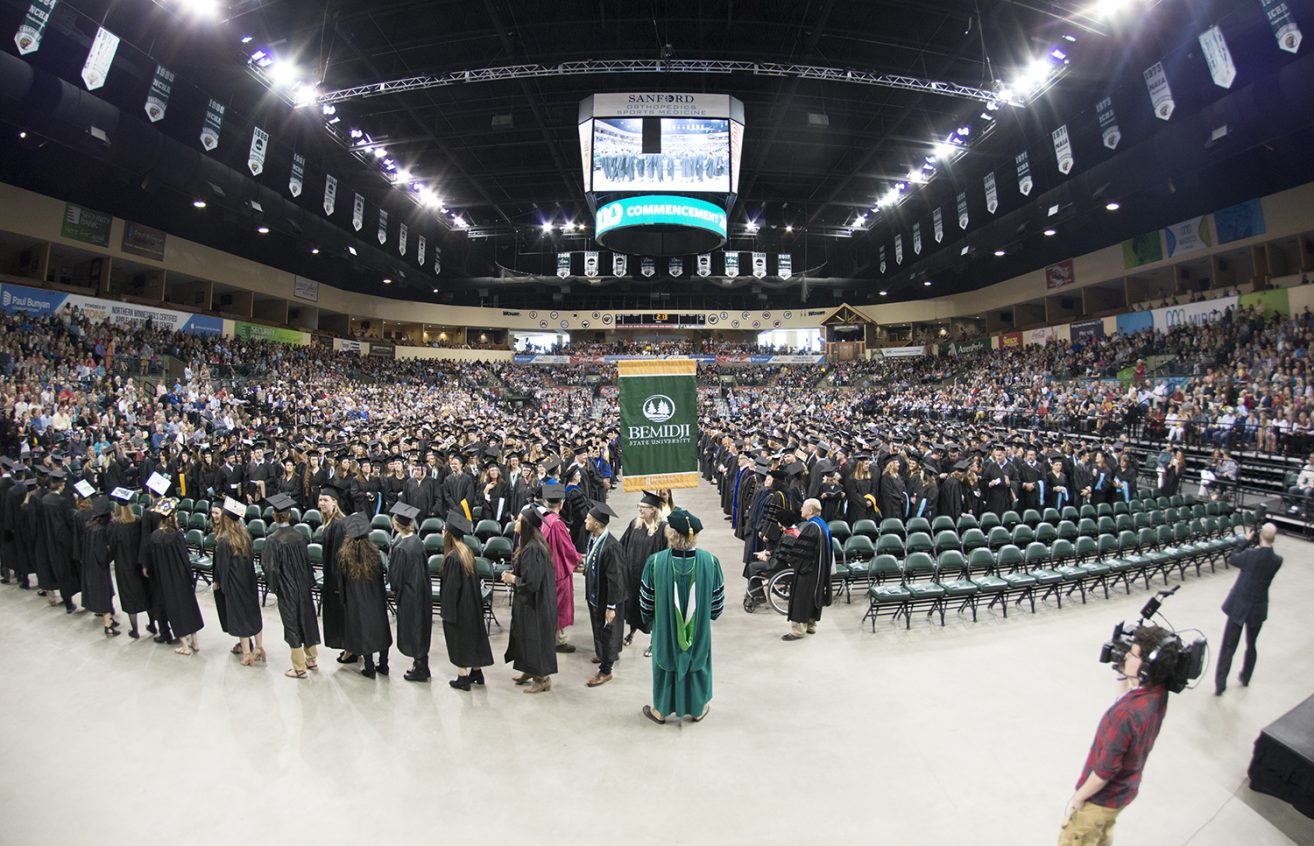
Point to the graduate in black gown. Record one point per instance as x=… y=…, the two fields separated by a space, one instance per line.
x=125 y=549
x=335 y=624
x=235 y=582
x=576 y=506
x=364 y=598
x=94 y=553
x=642 y=537
x=531 y=645
x=604 y=590
x=288 y=573
x=860 y=491
x=951 y=502
x=37 y=534
x=408 y=575
x=18 y=551
x=462 y=603
x=58 y=531
x=421 y=491
x=171 y=577
x=996 y=483
x=892 y=495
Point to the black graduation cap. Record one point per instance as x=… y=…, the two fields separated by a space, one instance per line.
x=795 y=469
x=57 y=474
x=1055 y=456
x=281 y=502
x=405 y=511
x=100 y=506
x=330 y=488
x=651 y=499
x=962 y=466
x=552 y=491
x=457 y=523
x=602 y=512
x=930 y=467
x=123 y=495
x=358 y=525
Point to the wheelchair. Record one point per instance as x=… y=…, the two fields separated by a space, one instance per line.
x=771 y=587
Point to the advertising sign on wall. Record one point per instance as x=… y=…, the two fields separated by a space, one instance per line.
x=42 y=303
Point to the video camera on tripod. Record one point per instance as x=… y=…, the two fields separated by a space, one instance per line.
x=1171 y=662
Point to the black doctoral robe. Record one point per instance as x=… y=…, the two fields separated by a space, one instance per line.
x=462 y=601
x=235 y=582
x=94 y=551
x=366 y=606
x=171 y=577
x=604 y=585
x=125 y=550
x=335 y=612
x=638 y=544
x=811 y=557
x=289 y=575
x=531 y=646
x=573 y=513
x=408 y=575
x=1058 y=490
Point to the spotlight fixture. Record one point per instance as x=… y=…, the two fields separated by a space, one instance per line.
x=314 y=251
x=789 y=227
x=547 y=227
x=246 y=39
x=927 y=283
x=885 y=293
x=200 y=204
x=202 y=8
x=1050 y=233
x=387 y=281
x=1113 y=206
x=22 y=134
x=999 y=253
x=263 y=230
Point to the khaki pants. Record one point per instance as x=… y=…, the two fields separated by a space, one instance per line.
x=800 y=629
x=1091 y=826
x=300 y=656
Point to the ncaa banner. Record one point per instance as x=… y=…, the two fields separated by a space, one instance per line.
x=420 y=248
x=962 y=210
x=383 y=227
x=437 y=259
x=330 y=194
x=705 y=264
x=917 y=238
x=898 y=249
x=157 y=99
x=883 y=258
x=732 y=265
x=33 y=27
x=255 y=158
x=1285 y=28
x=563 y=265
x=357 y=212
x=1221 y=67
x=991 y=192
x=676 y=267
x=1108 y=123
x=648 y=266
x=937 y=223
x=99 y=59
x=1063 y=149
x=401 y=238
x=759 y=265
x=659 y=423
x=1024 y=182
x=298 y=177
x=1161 y=95
x=590 y=263
x=618 y=264
x=214 y=121
x=784 y=265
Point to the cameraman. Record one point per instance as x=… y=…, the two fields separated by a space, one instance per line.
x=1247 y=603
x=1111 y=777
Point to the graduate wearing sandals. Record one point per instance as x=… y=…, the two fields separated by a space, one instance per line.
x=235 y=582
x=364 y=597
x=286 y=561
x=171 y=576
x=462 y=603
x=682 y=592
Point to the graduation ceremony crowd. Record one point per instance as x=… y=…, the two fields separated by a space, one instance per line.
x=355 y=489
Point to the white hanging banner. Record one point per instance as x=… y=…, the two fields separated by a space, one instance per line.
x=784 y=265
x=33 y=27
x=917 y=238
x=759 y=265
x=676 y=267
x=1024 y=183
x=883 y=265
x=1218 y=57
x=99 y=59
x=937 y=223
x=421 y=247
x=1161 y=96
x=591 y=263
x=705 y=264
x=732 y=265
x=563 y=265
x=962 y=210
x=330 y=194
x=357 y=212
x=618 y=264
x=298 y=177
x=383 y=227
x=898 y=249
x=1108 y=123
x=157 y=99
x=214 y=121
x=1063 y=149
x=648 y=266
x=401 y=238
x=1285 y=28
x=255 y=157
x=991 y=192
x=437 y=260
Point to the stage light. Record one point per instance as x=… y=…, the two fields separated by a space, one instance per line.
x=202 y=8
x=1050 y=233
x=263 y=230
x=380 y=152
x=246 y=39
x=789 y=227
x=327 y=110
x=304 y=95
x=964 y=130
x=927 y=283
x=1109 y=8
x=314 y=251
x=1032 y=78
x=547 y=227
x=885 y=293
x=22 y=134
x=200 y=204
x=355 y=133
x=942 y=152
x=1113 y=206
x=987 y=116
x=1058 y=55
x=283 y=74
x=387 y=281
x=444 y=336
x=1071 y=39
x=999 y=253
x=402 y=175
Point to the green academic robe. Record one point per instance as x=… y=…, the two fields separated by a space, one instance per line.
x=681 y=678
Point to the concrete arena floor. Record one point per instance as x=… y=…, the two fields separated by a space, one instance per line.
x=970 y=733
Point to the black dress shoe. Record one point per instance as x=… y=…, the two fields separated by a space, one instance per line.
x=565 y=648
x=383 y=669
x=414 y=675
x=132 y=633
x=160 y=639
x=151 y=628
x=344 y=660
x=369 y=674
x=1245 y=682
x=476 y=677
x=460 y=683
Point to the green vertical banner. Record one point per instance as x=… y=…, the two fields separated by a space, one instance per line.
x=659 y=423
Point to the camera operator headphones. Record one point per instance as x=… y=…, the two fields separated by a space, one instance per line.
x=1157 y=668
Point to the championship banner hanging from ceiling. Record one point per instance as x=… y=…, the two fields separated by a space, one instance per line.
x=1221 y=67
x=100 y=59
x=33 y=28
x=917 y=238
x=255 y=157
x=784 y=265
x=937 y=224
x=421 y=246
x=1063 y=149
x=401 y=238
x=591 y=263
x=704 y=264
x=383 y=227
x=563 y=265
x=619 y=264
x=898 y=249
x=991 y=192
x=648 y=266
x=1108 y=123
x=1285 y=28
x=1161 y=95
x=298 y=177
x=883 y=265
x=962 y=210
x=659 y=423
x=732 y=265
x=330 y=194
x=1024 y=182
x=214 y=121
x=437 y=259
x=759 y=265
x=357 y=212
x=676 y=267
x=157 y=99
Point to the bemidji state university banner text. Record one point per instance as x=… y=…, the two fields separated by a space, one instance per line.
x=659 y=423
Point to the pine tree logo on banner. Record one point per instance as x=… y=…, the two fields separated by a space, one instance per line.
x=33 y=27
x=1285 y=28
x=731 y=265
x=1221 y=67
x=882 y=258
x=1063 y=149
x=1024 y=183
x=563 y=265
x=298 y=177
x=214 y=121
x=157 y=99
x=383 y=227
x=357 y=212
x=1108 y=123
x=898 y=249
x=591 y=263
x=255 y=158
x=401 y=238
x=705 y=264
x=100 y=59
x=937 y=223
x=917 y=238
x=676 y=267
x=1161 y=95
x=648 y=266
x=962 y=210
x=759 y=265
x=420 y=248
x=618 y=264
x=659 y=408
x=991 y=192
x=784 y=265
x=330 y=194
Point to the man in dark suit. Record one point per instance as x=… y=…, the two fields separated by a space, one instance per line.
x=1247 y=603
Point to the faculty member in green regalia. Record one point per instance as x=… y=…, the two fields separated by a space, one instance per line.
x=682 y=592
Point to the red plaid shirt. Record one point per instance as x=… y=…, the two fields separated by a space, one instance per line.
x=1123 y=741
